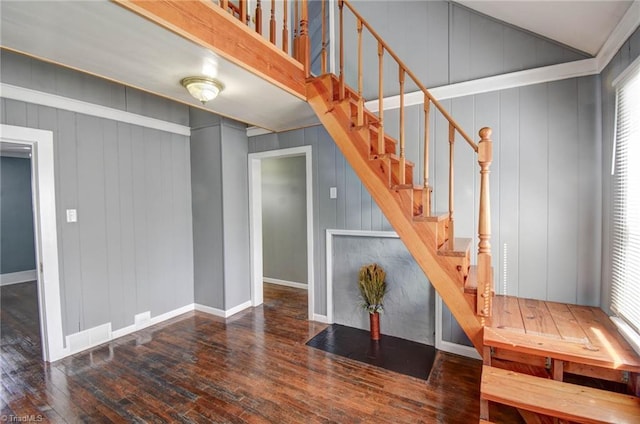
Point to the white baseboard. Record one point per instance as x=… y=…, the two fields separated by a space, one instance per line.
x=18 y=277
x=321 y=318
x=144 y=320
x=285 y=283
x=458 y=349
x=94 y=336
x=221 y=313
x=209 y=310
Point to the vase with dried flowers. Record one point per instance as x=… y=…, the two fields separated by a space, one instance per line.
x=373 y=287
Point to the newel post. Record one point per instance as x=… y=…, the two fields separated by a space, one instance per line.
x=485 y=271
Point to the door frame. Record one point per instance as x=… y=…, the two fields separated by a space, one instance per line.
x=255 y=220
x=45 y=234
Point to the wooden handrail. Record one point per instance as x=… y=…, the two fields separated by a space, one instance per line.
x=415 y=79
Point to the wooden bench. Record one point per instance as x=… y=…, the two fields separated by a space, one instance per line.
x=558 y=399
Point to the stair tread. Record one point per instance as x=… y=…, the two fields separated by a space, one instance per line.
x=435 y=217
x=605 y=356
x=460 y=246
x=558 y=399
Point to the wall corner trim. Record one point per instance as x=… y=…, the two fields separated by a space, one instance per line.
x=78 y=106
x=620 y=34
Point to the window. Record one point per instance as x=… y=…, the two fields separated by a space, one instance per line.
x=625 y=292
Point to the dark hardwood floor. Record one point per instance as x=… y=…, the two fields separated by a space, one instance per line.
x=251 y=368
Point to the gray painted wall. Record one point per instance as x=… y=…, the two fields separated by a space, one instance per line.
x=284 y=219
x=409 y=302
x=220 y=211
x=17 y=248
x=625 y=56
x=24 y=71
x=442 y=43
x=131 y=249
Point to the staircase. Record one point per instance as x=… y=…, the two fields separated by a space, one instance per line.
x=380 y=162
x=388 y=177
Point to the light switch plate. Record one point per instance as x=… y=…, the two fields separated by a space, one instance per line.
x=72 y=215
x=333 y=192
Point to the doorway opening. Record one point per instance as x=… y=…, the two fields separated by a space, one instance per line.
x=273 y=234
x=20 y=322
x=40 y=143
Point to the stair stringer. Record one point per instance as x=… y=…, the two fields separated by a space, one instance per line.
x=441 y=271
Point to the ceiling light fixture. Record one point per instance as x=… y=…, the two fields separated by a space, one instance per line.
x=202 y=89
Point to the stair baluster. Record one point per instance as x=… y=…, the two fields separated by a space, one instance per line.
x=341 y=76
x=452 y=139
x=259 y=17
x=360 y=118
x=402 y=171
x=285 y=30
x=381 y=148
x=426 y=190
x=323 y=62
x=302 y=45
x=272 y=23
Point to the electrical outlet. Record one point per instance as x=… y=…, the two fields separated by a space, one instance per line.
x=72 y=215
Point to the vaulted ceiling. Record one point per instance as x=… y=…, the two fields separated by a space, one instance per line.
x=583 y=25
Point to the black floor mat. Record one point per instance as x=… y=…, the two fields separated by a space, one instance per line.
x=391 y=353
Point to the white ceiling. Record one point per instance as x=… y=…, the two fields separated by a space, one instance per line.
x=583 y=25
x=104 y=39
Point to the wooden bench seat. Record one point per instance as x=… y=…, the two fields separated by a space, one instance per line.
x=558 y=399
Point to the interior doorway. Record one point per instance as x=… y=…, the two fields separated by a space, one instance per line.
x=20 y=323
x=40 y=143
x=256 y=220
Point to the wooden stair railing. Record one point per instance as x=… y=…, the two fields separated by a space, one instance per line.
x=300 y=42
x=484 y=271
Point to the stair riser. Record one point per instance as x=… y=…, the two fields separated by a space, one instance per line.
x=442 y=234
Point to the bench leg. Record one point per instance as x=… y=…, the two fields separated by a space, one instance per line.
x=484 y=409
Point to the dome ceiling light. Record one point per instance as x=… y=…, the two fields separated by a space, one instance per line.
x=202 y=89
